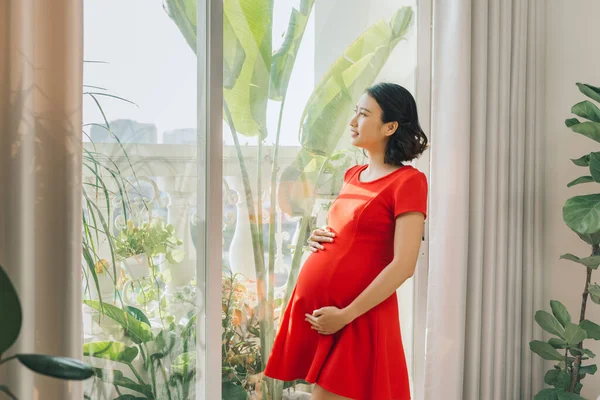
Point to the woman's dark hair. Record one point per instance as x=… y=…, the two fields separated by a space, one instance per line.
x=397 y=104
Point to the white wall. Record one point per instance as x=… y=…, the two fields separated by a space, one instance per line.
x=571 y=56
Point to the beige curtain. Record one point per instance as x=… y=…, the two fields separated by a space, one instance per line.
x=485 y=278
x=41 y=58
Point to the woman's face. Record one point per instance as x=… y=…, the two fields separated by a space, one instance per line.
x=367 y=131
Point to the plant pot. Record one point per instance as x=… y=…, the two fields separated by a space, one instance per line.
x=182 y=273
x=137 y=266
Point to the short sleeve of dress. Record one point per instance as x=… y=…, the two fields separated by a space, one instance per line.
x=410 y=195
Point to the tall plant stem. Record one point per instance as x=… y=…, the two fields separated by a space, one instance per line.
x=259 y=261
x=575 y=379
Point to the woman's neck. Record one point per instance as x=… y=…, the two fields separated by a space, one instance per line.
x=376 y=163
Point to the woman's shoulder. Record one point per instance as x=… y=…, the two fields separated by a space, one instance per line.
x=350 y=172
x=410 y=179
x=411 y=173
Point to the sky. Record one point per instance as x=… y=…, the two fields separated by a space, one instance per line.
x=146 y=60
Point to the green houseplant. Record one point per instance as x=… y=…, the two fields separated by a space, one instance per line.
x=153 y=365
x=11 y=320
x=582 y=215
x=254 y=73
x=152 y=238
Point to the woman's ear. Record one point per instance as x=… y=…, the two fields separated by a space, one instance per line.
x=390 y=128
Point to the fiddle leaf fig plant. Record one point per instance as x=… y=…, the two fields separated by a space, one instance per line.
x=11 y=320
x=582 y=215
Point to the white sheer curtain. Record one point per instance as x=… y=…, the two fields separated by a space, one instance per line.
x=41 y=61
x=486 y=175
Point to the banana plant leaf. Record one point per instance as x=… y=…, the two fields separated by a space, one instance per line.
x=183 y=13
x=248 y=25
x=328 y=110
x=285 y=58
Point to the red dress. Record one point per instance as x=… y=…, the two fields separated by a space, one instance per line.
x=365 y=360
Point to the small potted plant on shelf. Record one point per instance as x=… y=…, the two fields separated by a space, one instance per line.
x=136 y=246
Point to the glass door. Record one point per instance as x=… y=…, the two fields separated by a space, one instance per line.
x=293 y=71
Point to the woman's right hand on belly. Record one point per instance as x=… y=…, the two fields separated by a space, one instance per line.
x=318 y=236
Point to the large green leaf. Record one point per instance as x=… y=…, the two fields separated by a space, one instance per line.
x=547 y=394
x=580 y=180
x=588 y=129
x=233 y=392
x=569 y=396
x=594 y=291
x=138 y=314
x=329 y=108
x=592 y=329
x=560 y=312
x=590 y=91
x=183 y=13
x=557 y=343
x=56 y=367
x=583 y=161
x=588 y=353
x=590 y=238
x=588 y=370
x=588 y=110
x=250 y=23
x=590 y=262
x=117 y=378
x=285 y=57
x=114 y=351
x=138 y=331
x=233 y=55
x=595 y=166
x=574 y=334
x=582 y=214
x=545 y=350
x=549 y=323
x=10 y=312
x=557 y=378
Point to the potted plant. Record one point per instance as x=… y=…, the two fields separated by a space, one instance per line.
x=151 y=365
x=580 y=213
x=136 y=246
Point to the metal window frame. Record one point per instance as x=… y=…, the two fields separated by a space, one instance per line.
x=423 y=98
x=209 y=199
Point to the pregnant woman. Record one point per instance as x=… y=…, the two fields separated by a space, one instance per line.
x=341 y=328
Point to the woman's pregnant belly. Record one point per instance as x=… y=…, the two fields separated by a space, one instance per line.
x=337 y=275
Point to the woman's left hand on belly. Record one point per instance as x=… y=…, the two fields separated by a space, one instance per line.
x=328 y=320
